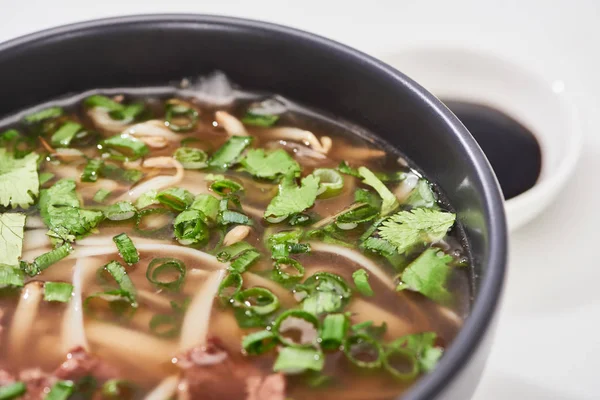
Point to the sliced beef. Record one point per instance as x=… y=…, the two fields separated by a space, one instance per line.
x=80 y=363
x=210 y=373
x=6 y=378
x=38 y=383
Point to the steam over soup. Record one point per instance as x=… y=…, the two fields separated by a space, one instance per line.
x=162 y=244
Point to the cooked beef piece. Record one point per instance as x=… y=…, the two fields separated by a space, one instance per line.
x=6 y=378
x=38 y=382
x=212 y=374
x=80 y=363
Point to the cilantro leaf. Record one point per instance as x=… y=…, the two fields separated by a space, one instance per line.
x=62 y=213
x=390 y=203
x=11 y=238
x=408 y=228
x=230 y=152
x=292 y=199
x=427 y=274
x=268 y=166
x=421 y=196
x=19 y=183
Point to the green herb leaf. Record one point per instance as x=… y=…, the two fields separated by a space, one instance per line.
x=10 y=276
x=262 y=120
x=390 y=203
x=147 y=199
x=191 y=158
x=427 y=275
x=120 y=211
x=167 y=273
x=61 y=390
x=270 y=165
x=423 y=346
x=45 y=260
x=47 y=113
x=119 y=273
x=190 y=227
x=334 y=331
x=126 y=248
x=408 y=228
x=259 y=342
x=230 y=152
x=63 y=135
x=292 y=199
x=19 y=183
x=177 y=198
x=92 y=170
x=101 y=195
x=324 y=292
x=58 y=291
x=180 y=112
x=361 y=280
x=421 y=196
x=12 y=391
x=207 y=204
x=11 y=237
x=124 y=147
x=98 y=100
x=293 y=360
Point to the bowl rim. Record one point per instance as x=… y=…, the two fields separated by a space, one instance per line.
x=482 y=314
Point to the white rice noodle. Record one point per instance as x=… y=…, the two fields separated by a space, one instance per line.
x=159 y=182
x=404 y=188
x=68 y=154
x=231 y=124
x=128 y=344
x=300 y=135
x=34 y=222
x=203 y=259
x=155 y=142
x=153 y=128
x=194 y=329
x=102 y=120
x=24 y=320
x=154 y=300
x=36 y=238
x=165 y=389
x=356 y=258
x=359 y=153
x=236 y=235
x=73 y=330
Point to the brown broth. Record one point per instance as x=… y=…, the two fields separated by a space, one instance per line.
x=136 y=349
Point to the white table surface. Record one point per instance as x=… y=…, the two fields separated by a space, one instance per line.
x=547 y=345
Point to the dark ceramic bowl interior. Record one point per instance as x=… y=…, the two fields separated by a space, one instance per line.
x=153 y=50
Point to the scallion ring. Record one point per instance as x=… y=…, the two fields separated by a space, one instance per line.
x=287 y=270
x=259 y=342
x=331 y=182
x=300 y=323
x=231 y=285
x=180 y=111
x=190 y=228
x=191 y=158
x=107 y=305
x=161 y=270
x=258 y=300
x=363 y=351
x=401 y=363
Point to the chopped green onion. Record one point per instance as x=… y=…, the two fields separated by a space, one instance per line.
x=297 y=322
x=231 y=285
x=344 y=168
x=369 y=328
x=263 y=121
x=300 y=220
x=180 y=111
x=401 y=363
x=325 y=292
x=101 y=195
x=191 y=158
x=45 y=177
x=148 y=221
x=259 y=342
x=232 y=251
x=331 y=182
x=128 y=113
x=112 y=171
x=230 y=152
x=361 y=280
x=98 y=100
x=225 y=187
x=63 y=136
x=120 y=211
x=47 y=113
x=287 y=271
x=61 y=390
x=244 y=261
x=119 y=274
x=9 y=135
x=168 y=273
x=207 y=204
x=117 y=302
x=258 y=300
x=165 y=326
x=45 y=260
x=190 y=228
x=10 y=276
x=293 y=360
x=91 y=170
x=124 y=147
x=58 y=291
x=126 y=248
x=422 y=345
x=12 y=391
x=228 y=217
x=176 y=198
x=363 y=351
x=117 y=389
x=333 y=331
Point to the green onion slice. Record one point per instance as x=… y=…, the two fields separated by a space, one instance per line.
x=98 y=100
x=123 y=147
x=244 y=261
x=298 y=324
x=287 y=271
x=61 y=390
x=112 y=171
x=231 y=285
x=91 y=170
x=191 y=158
x=363 y=351
x=331 y=182
x=232 y=251
x=63 y=135
x=333 y=331
x=229 y=217
x=293 y=360
x=258 y=300
x=166 y=272
x=120 y=211
x=259 y=342
x=119 y=274
x=190 y=228
x=101 y=195
x=58 y=291
x=177 y=111
x=128 y=113
x=324 y=292
x=12 y=391
x=362 y=213
x=361 y=280
x=126 y=248
x=207 y=204
x=154 y=221
x=401 y=363
x=177 y=198
x=263 y=121
x=10 y=276
x=42 y=115
x=45 y=260
x=224 y=187
x=107 y=305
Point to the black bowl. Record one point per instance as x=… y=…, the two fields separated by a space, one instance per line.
x=152 y=50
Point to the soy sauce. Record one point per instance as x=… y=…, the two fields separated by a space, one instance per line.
x=511 y=148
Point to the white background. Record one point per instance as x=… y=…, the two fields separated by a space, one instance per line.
x=548 y=341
